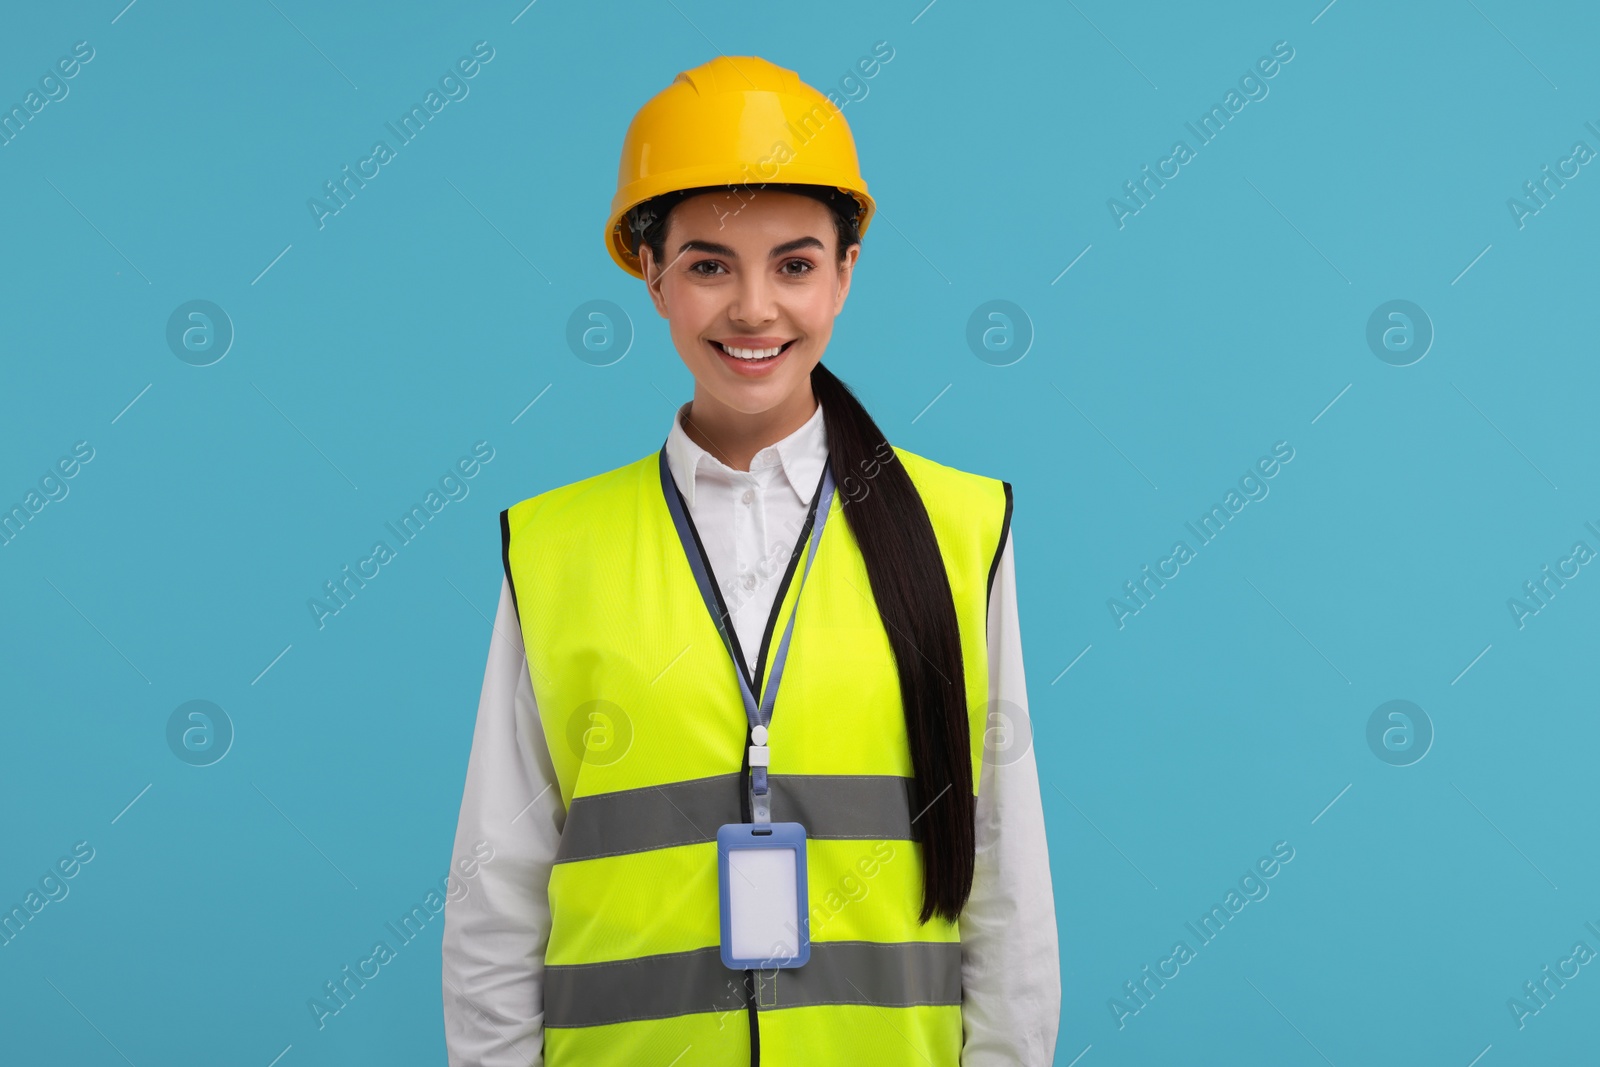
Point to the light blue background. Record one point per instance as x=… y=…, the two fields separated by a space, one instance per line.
x=1227 y=315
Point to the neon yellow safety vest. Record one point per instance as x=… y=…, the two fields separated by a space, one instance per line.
x=647 y=733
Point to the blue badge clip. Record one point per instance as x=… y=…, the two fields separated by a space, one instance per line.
x=796 y=937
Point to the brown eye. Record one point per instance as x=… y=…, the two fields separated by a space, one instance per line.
x=695 y=268
x=798 y=262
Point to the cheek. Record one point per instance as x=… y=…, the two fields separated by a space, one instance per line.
x=690 y=310
x=815 y=316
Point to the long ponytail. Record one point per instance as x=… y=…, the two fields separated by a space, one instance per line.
x=912 y=592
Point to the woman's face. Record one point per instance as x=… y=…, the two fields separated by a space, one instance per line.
x=754 y=273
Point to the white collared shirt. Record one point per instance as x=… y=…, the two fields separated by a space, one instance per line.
x=748 y=521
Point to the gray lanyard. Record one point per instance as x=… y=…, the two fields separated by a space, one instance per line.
x=760 y=713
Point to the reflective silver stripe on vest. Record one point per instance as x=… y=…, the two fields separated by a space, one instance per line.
x=888 y=975
x=865 y=806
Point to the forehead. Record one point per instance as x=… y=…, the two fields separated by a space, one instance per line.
x=750 y=214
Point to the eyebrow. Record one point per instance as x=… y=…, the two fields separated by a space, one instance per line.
x=723 y=250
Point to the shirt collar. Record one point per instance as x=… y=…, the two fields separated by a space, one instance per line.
x=799 y=457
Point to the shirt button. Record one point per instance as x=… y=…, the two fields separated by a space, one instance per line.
x=750 y=581
x=749 y=495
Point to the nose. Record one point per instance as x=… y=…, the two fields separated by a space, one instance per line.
x=755 y=302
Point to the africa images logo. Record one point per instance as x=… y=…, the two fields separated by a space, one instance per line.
x=1252 y=487
x=452 y=84
x=1252 y=84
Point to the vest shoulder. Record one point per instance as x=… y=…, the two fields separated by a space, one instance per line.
x=971 y=513
x=597 y=490
x=943 y=478
x=976 y=505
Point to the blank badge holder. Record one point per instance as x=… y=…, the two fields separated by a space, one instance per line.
x=761 y=886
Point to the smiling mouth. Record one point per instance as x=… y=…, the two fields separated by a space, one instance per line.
x=744 y=355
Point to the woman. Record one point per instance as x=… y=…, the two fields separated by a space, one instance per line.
x=633 y=733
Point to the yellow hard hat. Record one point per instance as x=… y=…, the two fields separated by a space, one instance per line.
x=733 y=121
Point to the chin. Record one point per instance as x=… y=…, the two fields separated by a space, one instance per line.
x=753 y=399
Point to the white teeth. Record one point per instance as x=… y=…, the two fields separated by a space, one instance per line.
x=750 y=353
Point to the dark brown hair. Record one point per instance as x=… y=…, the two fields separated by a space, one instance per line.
x=909 y=585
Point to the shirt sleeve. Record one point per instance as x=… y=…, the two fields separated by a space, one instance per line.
x=496 y=923
x=1010 y=962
